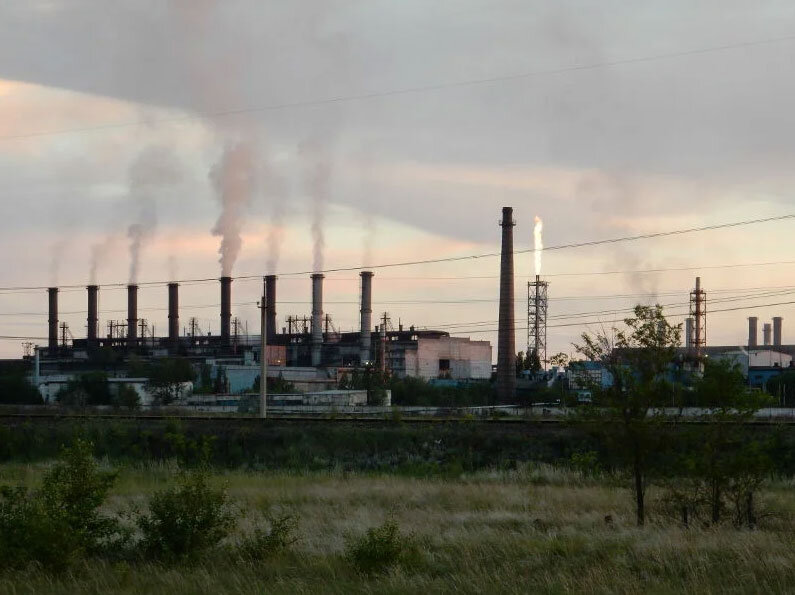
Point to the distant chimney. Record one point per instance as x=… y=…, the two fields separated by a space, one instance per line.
x=52 y=335
x=366 y=315
x=777 y=331
x=317 y=319
x=173 y=313
x=270 y=306
x=767 y=329
x=506 y=340
x=132 y=314
x=226 y=309
x=753 y=332
x=93 y=318
x=689 y=333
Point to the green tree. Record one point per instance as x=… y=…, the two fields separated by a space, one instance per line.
x=89 y=389
x=15 y=389
x=724 y=465
x=166 y=378
x=782 y=388
x=638 y=358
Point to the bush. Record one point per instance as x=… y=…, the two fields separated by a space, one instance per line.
x=61 y=521
x=266 y=542
x=187 y=520
x=28 y=534
x=381 y=548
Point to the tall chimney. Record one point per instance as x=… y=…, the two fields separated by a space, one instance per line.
x=226 y=309
x=777 y=331
x=753 y=332
x=52 y=335
x=270 y=307
x=766 y=332
x=317 y=318
x=173 y=313
x=366 y=315
x=506 y=341
x=93 y=318
x=132 y=314
x=689 y=333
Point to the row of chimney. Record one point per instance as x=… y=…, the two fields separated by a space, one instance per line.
x=767 y=331
x=226 y=313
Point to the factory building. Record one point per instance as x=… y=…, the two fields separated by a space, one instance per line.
x=308 y=351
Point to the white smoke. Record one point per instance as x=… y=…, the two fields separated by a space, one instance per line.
x=538 y=243
x=99 y=254
x=152 y=171
x=234 y=181
x=318 y=176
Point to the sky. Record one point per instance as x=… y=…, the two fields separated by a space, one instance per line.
x=152 y=140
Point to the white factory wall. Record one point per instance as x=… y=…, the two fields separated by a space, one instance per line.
x=468 y=359
x=757 y=358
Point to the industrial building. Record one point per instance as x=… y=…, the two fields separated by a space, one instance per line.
x=308 y=351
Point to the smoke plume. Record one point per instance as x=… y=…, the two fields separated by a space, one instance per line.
x=152 y=170
x=538 y=243
x=275 y=236
x=56 y=253
x=318 y=176
x=99 y=253
x=234 y=180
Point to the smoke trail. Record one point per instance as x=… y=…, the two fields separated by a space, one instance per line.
x=538 y=243
x=99 y=253
x=275 y=236
x=233 y=178
x=56 y=254
x=318 y=176
x=153 y=169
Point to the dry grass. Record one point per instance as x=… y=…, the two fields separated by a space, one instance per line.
x=537 y=530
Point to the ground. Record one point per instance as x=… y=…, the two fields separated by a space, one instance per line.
x=538 y=529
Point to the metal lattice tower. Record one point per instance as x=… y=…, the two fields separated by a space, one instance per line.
x=537 y=319
x=698 y=311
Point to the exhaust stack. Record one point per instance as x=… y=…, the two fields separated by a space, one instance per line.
x=366 y=315
x=689 y=333
x=173 y=313
x=226 y=309
x=777 y=331
x=93 y=318
x=132 y=314
x=766 y=332
x=317 y=319
x=270 y=307
x=753 y=332
x=506 y=341
x=52 y=335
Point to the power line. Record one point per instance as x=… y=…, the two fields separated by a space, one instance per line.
x=590 y=243
x=406 y=90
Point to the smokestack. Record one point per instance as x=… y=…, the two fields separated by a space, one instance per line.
x=226 y=309
x=173 y=313
x=317 y=318
x=132 y=314
x=753 y=332
x=766 y=332
x=506 y=341
x=366 y=315
x=689 y=333
x=52 y=335
x=270 y=306
x=777 y=331
x=93 y=319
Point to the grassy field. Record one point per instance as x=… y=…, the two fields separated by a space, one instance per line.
x=539 y=529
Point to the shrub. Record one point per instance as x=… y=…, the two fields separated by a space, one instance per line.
x=28 y=534
x=61 y=521
x=381 y=548
x=186 y=520
x=266 y=542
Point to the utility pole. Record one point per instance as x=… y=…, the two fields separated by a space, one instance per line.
x=263 y=360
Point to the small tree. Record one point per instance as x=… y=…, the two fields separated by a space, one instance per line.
x=166 y=378
x=638 y=358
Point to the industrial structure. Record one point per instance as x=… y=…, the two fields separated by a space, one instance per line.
x=308 y=351
x=506 y=327
x=537 y=319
